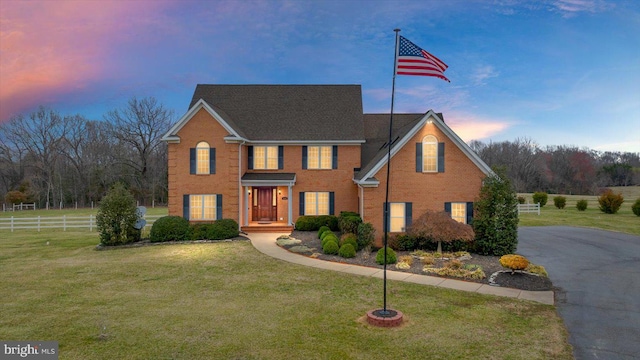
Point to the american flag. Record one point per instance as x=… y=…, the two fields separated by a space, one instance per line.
x=412 y=60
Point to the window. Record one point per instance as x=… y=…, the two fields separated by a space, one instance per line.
x=400 y=216
x=203 y=207
x=202 y=158
x=317 y=203
x=319 y=157
x=265 y=157
x=429 y=154
x=459 y=212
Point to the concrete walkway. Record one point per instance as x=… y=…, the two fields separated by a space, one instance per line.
x=266 y=244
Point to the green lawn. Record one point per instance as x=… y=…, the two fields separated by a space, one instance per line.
x=228 y=301
x=624 y=221
x=158 y=210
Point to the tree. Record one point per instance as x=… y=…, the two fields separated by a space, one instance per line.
x=117 y=216
x=495 y=219
x=440 y=227
x=139 y=127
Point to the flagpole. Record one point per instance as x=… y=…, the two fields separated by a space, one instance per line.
x=386 y=199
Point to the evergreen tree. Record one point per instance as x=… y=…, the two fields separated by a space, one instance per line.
x=116 y=217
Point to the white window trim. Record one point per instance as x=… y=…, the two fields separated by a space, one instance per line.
x=463 y=207
x=264 y=165
x=201 y=164
x=329 y=164
x=403 y=217
x=429 y=140
x=202 y=208
x=316 y=195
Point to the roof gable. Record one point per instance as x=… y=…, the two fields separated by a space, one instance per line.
x=408 y=126
x=172 y=134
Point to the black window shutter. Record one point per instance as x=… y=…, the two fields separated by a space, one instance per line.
x=408 y=215
x=192 y=161
x=218 y=206
x=447 y=208
x=212 y=161
x=301 y=203
x=469 y=213
x=419 y=157
x=334 y=160
x=441 y=157
x=332 y=203
x=250 y=157
x=280 y=157
x=185 y=206
x=304 y=158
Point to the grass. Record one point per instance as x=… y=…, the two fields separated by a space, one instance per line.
x=623 y=221
x=228 y=301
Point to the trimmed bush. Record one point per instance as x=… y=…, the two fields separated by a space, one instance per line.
x=581 y=205
x=636 y=207
x=328 y=238
x=540 y=197
x=170 y=228
x=560 y=202
x=348 y=222
x=514 y=262
x=223 y=229
x=330 y=247
x=347 y=251
x=521 y=200
x=403 y=242
x=329 y=221
x=199 y=231
x=325 y=233
x=116 y=217
x=366 y=235
x=349 y=239
x=391 y=256
x=307 y=223
x=321 y=230
x=609 y=202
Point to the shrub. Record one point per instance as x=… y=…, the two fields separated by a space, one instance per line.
x=223 y=229
x=406 y=259
x=514 y=262
x=347 y=251
x=521 y=200
x=328 y=238
x=330 y=248
x=169 y=228
x=325 y=234
x=322 y=229
x=540 y=197
x=636 y=207
x=116 y=217
x=329 y=221
x=366 y=235
x=609 y=202
x=560 y=202
x=307 y=223
x=349 y=239
x=403 y=242
x=453 y=264
x=581 y=205
x=495 y=219
x=199 y=231
x=348 y=222
x=537 y=269
x=391 y=256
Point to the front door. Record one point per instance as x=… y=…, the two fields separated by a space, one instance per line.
x=264 y=204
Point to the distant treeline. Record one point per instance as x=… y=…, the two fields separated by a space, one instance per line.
x=560 y=169
x=51 y=159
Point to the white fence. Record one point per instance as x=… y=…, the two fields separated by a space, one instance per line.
x=529 y=208
x=58 y=222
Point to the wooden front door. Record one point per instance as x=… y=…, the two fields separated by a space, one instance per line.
x=264 y=204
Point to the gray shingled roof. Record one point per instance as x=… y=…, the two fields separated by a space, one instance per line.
x=377 y=135
x=288 y=112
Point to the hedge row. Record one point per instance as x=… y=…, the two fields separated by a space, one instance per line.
x=176 y=228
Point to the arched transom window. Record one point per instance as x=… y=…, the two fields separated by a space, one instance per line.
x=429 y=154
x=202 y=158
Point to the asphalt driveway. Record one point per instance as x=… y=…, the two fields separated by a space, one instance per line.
x=598 y=276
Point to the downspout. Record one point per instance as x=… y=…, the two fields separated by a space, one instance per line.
x=240 y=192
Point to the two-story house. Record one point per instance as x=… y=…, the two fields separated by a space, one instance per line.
x=266 y=154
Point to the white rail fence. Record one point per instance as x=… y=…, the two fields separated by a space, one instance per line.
x=58 y=222
x=529 y=208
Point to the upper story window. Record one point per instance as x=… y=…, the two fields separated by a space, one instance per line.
x=265 y=157
x=202 y=158
x=429 y=154
x=319 y=157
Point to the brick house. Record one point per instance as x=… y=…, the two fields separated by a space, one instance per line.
x=264 y=155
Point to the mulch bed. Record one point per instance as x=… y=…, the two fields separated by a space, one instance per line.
x=490 y=264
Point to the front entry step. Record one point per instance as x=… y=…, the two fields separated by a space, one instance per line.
x=275 y=228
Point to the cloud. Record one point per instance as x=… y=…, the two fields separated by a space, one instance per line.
x=482 y=73
x=474 y=127
x=569 y=8
x=51 y=49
